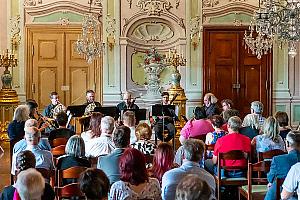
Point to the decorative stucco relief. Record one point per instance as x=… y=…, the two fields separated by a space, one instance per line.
x=154 y=7
x=130 y=3
x=195 y=25
x=64 y=21
x=235 y=0
x=110 y=25
x=15 y=28
x=98 y=3
x=177 y=2
x=29 y=3
x=210 y=3
x=152 y=31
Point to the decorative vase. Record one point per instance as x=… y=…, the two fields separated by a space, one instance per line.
x=152 y=71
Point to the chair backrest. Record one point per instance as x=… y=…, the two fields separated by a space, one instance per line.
x=200 y=137
x=67 y=191
x=58 y=151
x=208 y=147
x=232 y=155
x=59 y=141
x=94 y=161
x=71 y=173
x=269 y=154
x=279 y=182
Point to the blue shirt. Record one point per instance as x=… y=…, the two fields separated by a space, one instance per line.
x=21 y=145
x=172 y=177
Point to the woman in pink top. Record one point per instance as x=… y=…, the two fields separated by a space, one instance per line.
x=196 y=126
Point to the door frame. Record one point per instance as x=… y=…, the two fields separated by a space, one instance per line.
x=51 y=28
x=269 y=62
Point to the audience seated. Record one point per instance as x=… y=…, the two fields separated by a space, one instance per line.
x=129 y=121
x=226 y=116
x=281 y=164
x=162 y=161
x=291 y=183
x=193 y=153
x=210 y=105
x=232 y=141
x=257 y=108
x=283 y=121
x=134 y=183
x=94 y=128
x=212 y=137
x=270 y=138
x=94 y=184
x=62 y=131
x=75 y=156
x=196 y=126
x=110 y=163
x=44 y=159
x=250 y=126
x=192 y=187
x=25 y=160
x=144 y=132
x=102 y=145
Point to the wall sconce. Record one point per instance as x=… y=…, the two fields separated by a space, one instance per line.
x=111 y=41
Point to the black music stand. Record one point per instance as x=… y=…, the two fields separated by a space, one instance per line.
x=140 y=114
x=108 y=111
x=76 y=110
x=164 y=110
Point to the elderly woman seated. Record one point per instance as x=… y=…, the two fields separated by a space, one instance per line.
x=250 y=126
x=144 y=132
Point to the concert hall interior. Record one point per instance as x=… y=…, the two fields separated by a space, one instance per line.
x=84 y=69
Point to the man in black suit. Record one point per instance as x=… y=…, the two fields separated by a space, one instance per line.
x=127 y=103
x=110 y=163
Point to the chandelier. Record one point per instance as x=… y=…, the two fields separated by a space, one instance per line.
x=274 y=21
x=88 y=44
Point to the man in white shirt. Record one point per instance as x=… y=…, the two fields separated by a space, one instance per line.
x=291 y=183
x=129 y=120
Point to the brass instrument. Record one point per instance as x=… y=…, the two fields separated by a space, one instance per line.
x=57 y=109
x=89 y=108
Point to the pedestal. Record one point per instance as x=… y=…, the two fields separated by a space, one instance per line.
x=8 y=103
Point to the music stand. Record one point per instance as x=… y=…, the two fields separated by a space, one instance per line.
x=108 y=111
x=76 y=110
x=140 y=114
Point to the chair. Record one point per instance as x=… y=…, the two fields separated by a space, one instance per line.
x=279 y=182
x=269 y=154
x=231 y=155
x=149 y=158
x=200 y=137
x=71 y=173
x=67 y=191
x=58 y=151
x=94 y=161
x=208 y=147
x=47 y=174
x=256 y=187
x=59 y=141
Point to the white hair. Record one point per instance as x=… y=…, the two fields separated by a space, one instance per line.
x=107 y=124
x=252 y=121
x=30 y=184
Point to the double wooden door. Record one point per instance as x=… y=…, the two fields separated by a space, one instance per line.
x=231 y=72
x=54 y=65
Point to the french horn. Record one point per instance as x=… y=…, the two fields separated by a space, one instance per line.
x=89 y=108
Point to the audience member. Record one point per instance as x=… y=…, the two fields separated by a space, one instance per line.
x=134 y=183
x=74 y=156
x=62 y=131
x=250 y=126
x=162 y=161
x=196 y=126
x=110 y=163
x=257 y=108
x=210 y=104
x=232 y=141
x=283 y=121
x=15 y=128
x=25 y=160
x=94 y=127
x=270 y=138
x=212 y=137
x=281 y=164
x=192 y=187
x=44 y=159
x=94 y=184
x=291 y=183
x=102 y=145
x=144 y=132
x=129 y=121
x=193 y=153
x=226 y=116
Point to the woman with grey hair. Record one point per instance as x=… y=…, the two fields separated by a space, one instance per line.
x=15 y=129
x=250 y=126
x=75 y=156
x=270 y=139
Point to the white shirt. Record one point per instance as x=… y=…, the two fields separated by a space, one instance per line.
x=133 y=137
x=99 y=146
x=291 y=182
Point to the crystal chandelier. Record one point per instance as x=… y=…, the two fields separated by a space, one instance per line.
x=88 y=44
x=275 y=21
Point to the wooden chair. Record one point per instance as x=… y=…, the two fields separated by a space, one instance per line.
x=200 y=137
x=67 y=191
x=71 y=173
x=279 y=182
x=208 y=147
x=47 y=174
x=58 y=151
x=268 y=155
x=256 y=187
x=231 y=155
x=94 y=161
x=59 y=141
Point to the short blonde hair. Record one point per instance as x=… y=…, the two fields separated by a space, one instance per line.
x=21 y=113
x=30 y=184
x=143 y=131
x=252 y=121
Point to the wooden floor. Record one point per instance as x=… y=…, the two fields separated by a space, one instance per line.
x=4 y=166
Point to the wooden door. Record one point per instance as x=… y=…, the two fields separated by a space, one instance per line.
x=230 y=72
x=54 y=65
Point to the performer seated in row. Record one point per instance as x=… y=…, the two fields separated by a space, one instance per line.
x=90 y=102
x=127 y=103
x=54 y=107
x=166 y=122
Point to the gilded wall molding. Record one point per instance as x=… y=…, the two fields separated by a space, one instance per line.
x=15 y=28
x=110 y=25
x=154 y=7
x=195 y=24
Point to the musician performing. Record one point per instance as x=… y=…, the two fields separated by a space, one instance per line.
x=165 y=122
x=90 y=102
x=127 y=103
